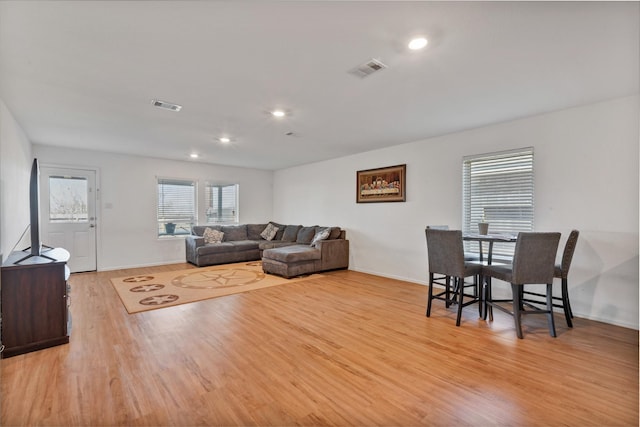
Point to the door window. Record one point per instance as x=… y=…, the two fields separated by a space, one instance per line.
x=68 y=199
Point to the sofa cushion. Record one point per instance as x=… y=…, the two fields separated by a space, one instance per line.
x=198 y=230
x=290 y=233
x=215 y=248
x=322 y=234
x=305 y=235
x=274 y=244
x=212 y=236
x=234 y=232
x=244 y=245
x=335 y=233
x=254 y=230
x=269 y=232
x=294 y=253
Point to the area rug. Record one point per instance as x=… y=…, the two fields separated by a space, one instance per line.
x=166 y=289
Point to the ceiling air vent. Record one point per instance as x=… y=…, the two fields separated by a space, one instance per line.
x=166 y=105
x=368 y=68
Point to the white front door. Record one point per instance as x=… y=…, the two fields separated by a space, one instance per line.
x=68 y=214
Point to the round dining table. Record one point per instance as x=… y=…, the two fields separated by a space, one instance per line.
x=491 y=239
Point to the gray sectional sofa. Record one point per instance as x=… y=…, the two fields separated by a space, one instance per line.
x=289 y=253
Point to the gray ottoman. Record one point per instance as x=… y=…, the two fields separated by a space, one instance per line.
x=290 y=261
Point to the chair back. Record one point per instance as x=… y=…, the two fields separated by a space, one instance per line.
x=534 y=257
x=445 y=251
x=438 y=227
x=569 y=249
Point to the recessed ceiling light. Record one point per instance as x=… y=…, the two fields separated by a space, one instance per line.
x=224 y=140
x=278 y=113
x=417 y=43
x=194 y=156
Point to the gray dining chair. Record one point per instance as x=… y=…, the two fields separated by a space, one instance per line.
x=561 y=272
x=440 y=278
x=446 y=257
x=468 y=256
x=533 y=263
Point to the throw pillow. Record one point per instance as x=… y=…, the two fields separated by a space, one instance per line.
x=212 y=236
x=335 y=233
x=320 y=235
x=269 y=232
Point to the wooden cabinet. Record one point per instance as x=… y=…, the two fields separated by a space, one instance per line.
x=34 y=301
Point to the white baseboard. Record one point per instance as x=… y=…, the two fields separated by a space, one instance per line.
x=154 y=264
x=391 y=276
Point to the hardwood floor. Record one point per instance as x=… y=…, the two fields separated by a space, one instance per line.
x=345 y=349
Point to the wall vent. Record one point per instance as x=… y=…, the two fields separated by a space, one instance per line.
x=166 y=105
x=368 y=68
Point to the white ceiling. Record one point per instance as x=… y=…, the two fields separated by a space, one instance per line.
x=83 y=74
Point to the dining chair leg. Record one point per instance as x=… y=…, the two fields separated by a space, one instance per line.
x=552 y=325
x=521 y=294
x=447 y=289
x=517 y=314
x=477 y=292
x=460 y=297
x=568 y=314
x=454 y=290
x=430 y=298
x=489 y=306
x=487 y=297
x=568 y=301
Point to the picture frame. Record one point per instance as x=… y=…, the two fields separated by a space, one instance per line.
x=387 y=184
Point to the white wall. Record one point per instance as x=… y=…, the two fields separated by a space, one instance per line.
x=15 y=168
x=127 y=230
x=586 y=169
x=586 y=161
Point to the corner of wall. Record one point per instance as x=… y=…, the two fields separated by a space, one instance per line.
x=15 y=160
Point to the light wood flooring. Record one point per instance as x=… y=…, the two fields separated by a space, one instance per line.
x=345 y=349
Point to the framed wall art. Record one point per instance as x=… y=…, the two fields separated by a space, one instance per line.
x=382 y=184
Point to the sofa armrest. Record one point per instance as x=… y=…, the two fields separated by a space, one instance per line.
x=192 y=243
x=334 y=253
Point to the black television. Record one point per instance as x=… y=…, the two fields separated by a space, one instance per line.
x=35 y=250
x=34 y=208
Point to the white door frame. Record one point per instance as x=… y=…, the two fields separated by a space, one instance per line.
x=96 y=200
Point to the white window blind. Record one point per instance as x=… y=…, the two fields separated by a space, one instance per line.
x=221 y=202
x=498 y=189
x=176 y=206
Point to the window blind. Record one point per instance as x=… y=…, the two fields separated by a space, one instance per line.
x=222 y=203
x=498 y=189
x=176 y=205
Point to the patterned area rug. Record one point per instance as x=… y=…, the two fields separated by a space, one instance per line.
x=166 y=289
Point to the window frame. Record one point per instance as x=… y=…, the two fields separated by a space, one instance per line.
x=187 y=223
x=504 y=184
x=221 y=219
